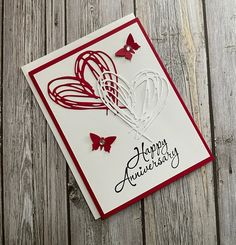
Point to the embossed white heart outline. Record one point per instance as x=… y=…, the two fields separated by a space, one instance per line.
x=144 y=98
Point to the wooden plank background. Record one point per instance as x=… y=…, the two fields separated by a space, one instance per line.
x=40 y=200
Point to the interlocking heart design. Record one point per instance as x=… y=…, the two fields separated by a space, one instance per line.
x=96 y=85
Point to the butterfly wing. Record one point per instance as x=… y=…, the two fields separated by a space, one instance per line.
x=130 y=41
x=128 y=55
x=121 y=52
x=108 y=142
x=95 y=139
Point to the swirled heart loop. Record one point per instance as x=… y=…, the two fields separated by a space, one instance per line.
x=144 y=98
x=78 y=92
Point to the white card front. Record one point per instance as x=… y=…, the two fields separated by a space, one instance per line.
x=117 y=116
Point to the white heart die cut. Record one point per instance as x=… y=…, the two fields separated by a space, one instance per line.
x=139 y=101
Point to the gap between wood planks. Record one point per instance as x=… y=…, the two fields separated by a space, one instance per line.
x=211 y=123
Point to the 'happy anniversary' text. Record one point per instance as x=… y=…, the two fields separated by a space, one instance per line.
x=151 y=157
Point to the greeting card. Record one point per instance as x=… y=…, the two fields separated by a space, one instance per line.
x=117 y=116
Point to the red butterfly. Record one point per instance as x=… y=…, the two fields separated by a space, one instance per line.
x=102 y=142
x=128 y=49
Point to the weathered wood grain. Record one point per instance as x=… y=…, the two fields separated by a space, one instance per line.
x=1 y=162
x=184 y=212
x=35 y=176
x=221 y=29
x=56 y=217
x=38 y=125
x=23 y=40
x=84 y=17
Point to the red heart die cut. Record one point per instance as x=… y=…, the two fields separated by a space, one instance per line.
x=79 y=92
x=72 y=93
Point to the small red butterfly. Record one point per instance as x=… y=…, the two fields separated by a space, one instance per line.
x=128 y=49
x=102 y=142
